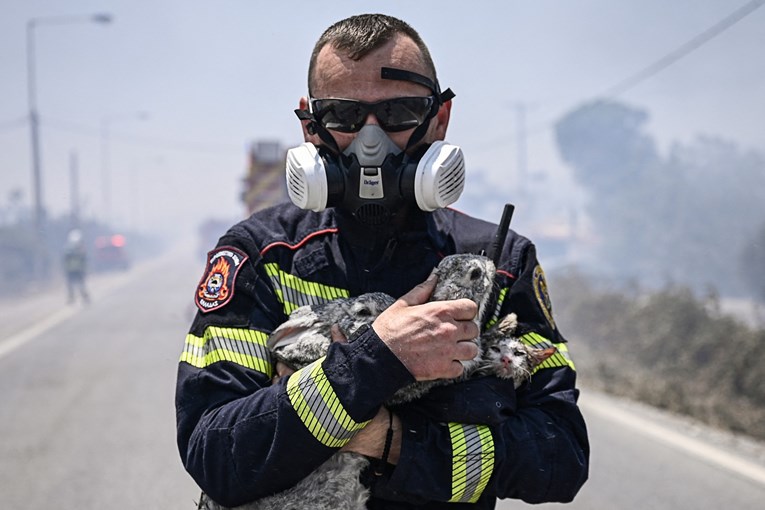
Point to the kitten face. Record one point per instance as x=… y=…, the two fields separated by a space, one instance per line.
x=509 y=358
x=506 y=356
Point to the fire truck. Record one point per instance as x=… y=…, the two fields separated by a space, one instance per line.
x=265 y=183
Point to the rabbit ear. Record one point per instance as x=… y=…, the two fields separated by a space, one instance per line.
x=281 y=337
x=285 y=334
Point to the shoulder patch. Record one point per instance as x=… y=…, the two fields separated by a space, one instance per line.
x=542 y=294
x=216 y=288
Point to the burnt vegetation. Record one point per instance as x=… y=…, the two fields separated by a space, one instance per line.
x=675 y=234
x=667 y=348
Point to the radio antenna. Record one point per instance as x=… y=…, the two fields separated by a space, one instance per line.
x=495 y=250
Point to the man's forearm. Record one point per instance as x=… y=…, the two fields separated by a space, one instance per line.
x=371 y=440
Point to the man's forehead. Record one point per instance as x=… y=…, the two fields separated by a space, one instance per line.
x=336 y=71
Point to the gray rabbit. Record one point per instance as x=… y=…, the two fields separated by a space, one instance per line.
x=306 y=336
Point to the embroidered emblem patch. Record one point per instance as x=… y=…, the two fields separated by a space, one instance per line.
x=543 y=296
x=216 y=288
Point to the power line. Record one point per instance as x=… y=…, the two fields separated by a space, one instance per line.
x=665 y=61
x=683 y=50
x=10 y=125
x=177 y=145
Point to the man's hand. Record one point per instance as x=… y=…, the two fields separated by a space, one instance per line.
x=282 y=370
x=430 y=338
x=370 y=441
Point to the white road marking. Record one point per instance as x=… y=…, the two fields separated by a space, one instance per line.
x=674 y=439
x=14 y=342
x=104 y=289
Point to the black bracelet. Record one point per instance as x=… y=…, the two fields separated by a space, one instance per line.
x=386 y=448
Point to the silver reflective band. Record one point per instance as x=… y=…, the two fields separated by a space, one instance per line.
x=244 y=347
x=472 y=461
x=315 y=402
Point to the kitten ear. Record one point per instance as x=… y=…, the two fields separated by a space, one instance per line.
x=538 y=356
x=508 y=324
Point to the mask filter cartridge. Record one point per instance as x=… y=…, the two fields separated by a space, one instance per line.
x=379 y=189
x=306 y=178
x=440 y=177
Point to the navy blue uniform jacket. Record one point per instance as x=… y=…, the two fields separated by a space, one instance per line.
x=463 y=445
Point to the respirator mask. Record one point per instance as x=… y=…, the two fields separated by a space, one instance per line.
x=373 y=179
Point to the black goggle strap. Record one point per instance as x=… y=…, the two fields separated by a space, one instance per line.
x=315 y=127
x=389 y=73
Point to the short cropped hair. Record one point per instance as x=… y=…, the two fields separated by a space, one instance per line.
x=359 y=35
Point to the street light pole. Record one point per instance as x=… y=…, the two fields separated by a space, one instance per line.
x=34 y=127
x=34 y=119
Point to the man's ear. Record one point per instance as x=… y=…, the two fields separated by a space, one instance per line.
x=442 y=120
x=308 y=134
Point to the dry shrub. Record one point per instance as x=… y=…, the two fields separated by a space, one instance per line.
x=666 y=348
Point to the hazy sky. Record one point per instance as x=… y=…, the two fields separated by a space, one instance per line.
x=214 y=76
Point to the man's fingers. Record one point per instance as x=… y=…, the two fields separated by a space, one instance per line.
x=456 y=370
x=466 y=350
x=420 y=293
x=445 y=368
x=336 y=334
x=281 y=370
x=429 y=337
x=463 y=309
x=470 y=330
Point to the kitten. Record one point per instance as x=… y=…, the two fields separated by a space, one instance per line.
x=507 y=357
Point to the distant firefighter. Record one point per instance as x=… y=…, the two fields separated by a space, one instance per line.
x=75 y=265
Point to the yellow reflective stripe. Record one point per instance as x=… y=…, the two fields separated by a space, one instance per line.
x=472 y=461
x=294 y=292
x=497 y=309
x=318 y=407
x=560 y=359
x=244 y=347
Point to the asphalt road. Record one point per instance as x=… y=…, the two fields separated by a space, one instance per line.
x=87 y=419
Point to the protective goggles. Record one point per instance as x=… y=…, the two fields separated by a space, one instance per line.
x=349 y=116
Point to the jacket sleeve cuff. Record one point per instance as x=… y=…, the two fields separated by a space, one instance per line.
x=442 y=461
x=365 y=372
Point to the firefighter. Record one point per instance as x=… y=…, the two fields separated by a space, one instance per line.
x=369 y=190
x=75 y=266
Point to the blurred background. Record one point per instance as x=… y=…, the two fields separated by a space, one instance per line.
x=629 y=136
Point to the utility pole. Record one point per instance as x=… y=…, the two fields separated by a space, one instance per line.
x=40 y=260
x=34 y=129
